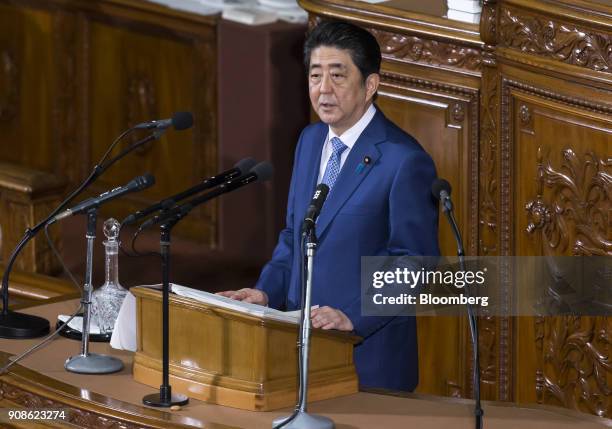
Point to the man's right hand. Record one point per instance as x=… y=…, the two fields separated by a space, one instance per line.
x=254 y=296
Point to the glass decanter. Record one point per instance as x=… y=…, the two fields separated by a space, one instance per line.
x=107 y=299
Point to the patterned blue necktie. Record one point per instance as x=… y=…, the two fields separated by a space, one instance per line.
x=332 y=170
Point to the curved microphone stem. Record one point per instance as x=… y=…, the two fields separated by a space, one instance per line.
x=154 y=136
x=478 y=412
x=18 y=325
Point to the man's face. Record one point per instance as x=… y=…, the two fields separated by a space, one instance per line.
x=337 y=91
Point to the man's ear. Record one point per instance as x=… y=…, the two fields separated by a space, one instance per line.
x=371 y=84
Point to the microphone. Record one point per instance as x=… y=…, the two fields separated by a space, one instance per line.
x=261 y=172
x=441 y=190
x=241 y=167
x=315 y=206
x=180 y=121
x=137 y=184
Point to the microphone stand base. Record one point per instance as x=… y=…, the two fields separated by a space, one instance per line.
x=156 y=400
x=18 y=325
x=304 y=421
x=93 y=363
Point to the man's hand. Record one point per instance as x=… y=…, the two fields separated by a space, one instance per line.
x=254 y=296
x=330 y=318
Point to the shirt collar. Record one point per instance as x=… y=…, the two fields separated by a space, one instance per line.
x=350 y=136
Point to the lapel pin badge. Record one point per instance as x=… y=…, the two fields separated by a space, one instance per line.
x=362 y=165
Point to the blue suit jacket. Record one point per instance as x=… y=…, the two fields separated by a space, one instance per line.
x=381 y=208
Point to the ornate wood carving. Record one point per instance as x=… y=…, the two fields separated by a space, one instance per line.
x=9 y=85
x=575 y=352
x=488 y=22
x=576 y=362
x=458 y=113
x=414 y=49
x=581 y=200
x=525 y=114
x=488 y=211
x=526 y=119
x=487 y=191
x=573 y=216
x=78 y=417
x=487 y=330
x=560 y=41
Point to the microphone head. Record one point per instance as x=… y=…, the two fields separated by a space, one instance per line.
x=438 y=186
x=245 y=165
x=182 y=120
x=263 y=171
x=321 y=192
x=145 y=181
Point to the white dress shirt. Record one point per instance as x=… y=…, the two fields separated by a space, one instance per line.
x=349 y=138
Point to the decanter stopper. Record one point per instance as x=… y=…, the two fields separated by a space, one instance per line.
x=107 y=300
x=111 y=230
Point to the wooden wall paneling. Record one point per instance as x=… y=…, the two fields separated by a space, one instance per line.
x=68 y=85
x=26 y=64
x=556 y=103
x=562 y=208
x=494 y=331
x=62 y=103
x=556 y=39
x=141 y=74
x=441 y=118
x=263 y=125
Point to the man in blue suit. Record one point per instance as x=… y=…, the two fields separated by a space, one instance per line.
x=379 y=205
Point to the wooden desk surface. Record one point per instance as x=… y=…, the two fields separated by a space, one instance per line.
x=107 y=394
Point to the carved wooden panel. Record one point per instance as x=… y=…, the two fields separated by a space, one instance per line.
x=562 y=205
x=494 y=331
x=435 y=53
x=13 y=396
x=555 y=39
x=26 y=196
x=443 y=118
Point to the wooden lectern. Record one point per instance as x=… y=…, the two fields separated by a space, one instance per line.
x=229 y=358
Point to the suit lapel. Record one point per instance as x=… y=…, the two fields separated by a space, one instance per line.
x=353 y=171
